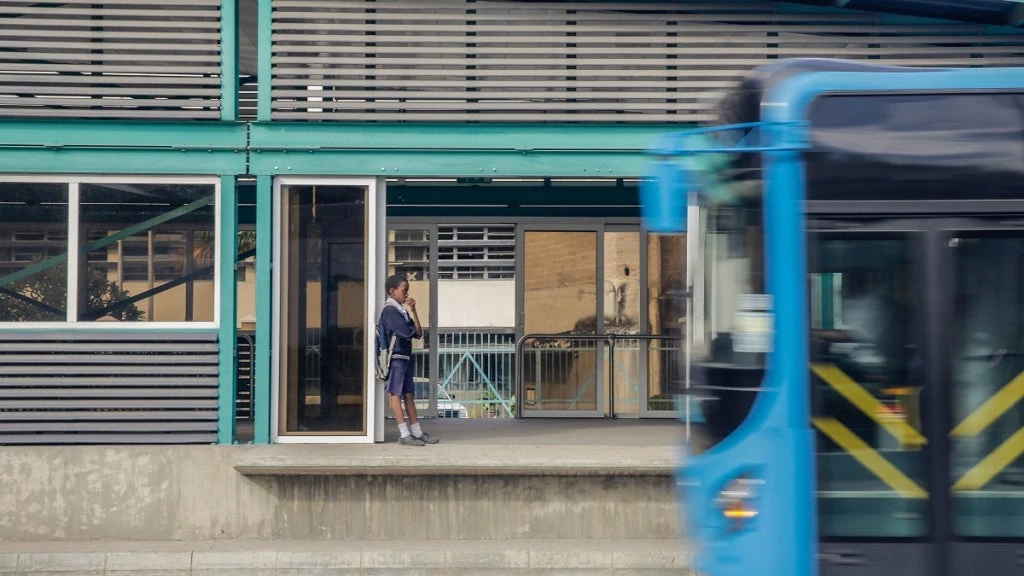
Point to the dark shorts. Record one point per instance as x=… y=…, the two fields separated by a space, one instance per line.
x=400 y=378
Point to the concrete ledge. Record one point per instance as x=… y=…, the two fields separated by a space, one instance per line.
x=455 y=459
x=279 y=558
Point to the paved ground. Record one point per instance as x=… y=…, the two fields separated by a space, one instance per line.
x=306 y=558
x=506 y=447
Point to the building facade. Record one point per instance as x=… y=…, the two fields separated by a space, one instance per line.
x=186 y=185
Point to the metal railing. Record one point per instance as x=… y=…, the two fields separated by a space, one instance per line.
x=565 y=343
x=475 y=374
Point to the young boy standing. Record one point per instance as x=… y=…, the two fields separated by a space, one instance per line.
x=399 y=317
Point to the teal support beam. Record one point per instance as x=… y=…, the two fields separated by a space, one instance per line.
x=227 y=333
x=264 y=69
x=125 y=147
x=264 y=308
x=229 y=60
x=477 y=150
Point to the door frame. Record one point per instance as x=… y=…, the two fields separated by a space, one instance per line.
x=374 y=214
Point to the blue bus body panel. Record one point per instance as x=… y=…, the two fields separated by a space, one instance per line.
x=776 y=440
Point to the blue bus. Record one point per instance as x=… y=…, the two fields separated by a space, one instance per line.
x=856 y=321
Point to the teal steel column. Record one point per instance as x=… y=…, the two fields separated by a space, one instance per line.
x=264 y=307
x=263 y=54
x=229 y=59
x=227 y=333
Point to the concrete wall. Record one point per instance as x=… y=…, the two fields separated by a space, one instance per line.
x=194 y=493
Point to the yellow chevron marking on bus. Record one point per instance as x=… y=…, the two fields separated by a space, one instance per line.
x=868 y=404
x=993 y=464
x=871 y=459
x=992 y=409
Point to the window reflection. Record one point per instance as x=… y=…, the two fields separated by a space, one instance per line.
x=866 y=387
x=149 y=249
x=33 y=252
x=986 y=362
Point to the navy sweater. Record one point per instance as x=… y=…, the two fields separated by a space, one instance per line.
x=396 y=324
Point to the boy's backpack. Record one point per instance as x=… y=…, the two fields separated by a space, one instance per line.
x=385 y=348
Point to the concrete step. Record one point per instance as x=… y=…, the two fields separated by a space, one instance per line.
x=349 y=558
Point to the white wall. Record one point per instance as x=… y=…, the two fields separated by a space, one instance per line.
x=476 y=303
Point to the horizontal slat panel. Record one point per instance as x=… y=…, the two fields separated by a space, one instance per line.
x=179 y=3
x=106 y=12
x=110 y=57
x=484 y=117
x=44 y=112
x=108 y=336
x=658 y=56
x=105 y=102
x=150 y=92
x=66 y=381
x=120 y=370
x=134 y=427
x=548 y=95
x=152 y=392
x=124 y=79
x=506 y=85
x=572 y=61
x=108 y=415
x=183 y=347
x=113 y=438
x=109 y=68
x=536 y=106
x=113 y=34
x=148 y=40
x=628 y=45
x=110 y=404
x=76 y=387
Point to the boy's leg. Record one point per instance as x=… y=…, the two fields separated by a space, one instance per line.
x=410 y=406
x=395 y=386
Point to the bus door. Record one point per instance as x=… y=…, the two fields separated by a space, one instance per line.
x=983 y=316
x=917 y=336
x=868 y=314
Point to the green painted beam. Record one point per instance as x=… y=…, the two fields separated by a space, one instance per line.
x=105 y=134
x=104 y=147
x=554 y=150
x=264 y=310
x=264 y=68
x=229 y=60
x=228 y=330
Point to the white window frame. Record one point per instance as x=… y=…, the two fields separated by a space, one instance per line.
x=74 y=183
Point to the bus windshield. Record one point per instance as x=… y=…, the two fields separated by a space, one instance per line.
x=730 y=332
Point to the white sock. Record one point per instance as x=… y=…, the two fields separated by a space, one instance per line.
x=403 y=428
x=416 y=430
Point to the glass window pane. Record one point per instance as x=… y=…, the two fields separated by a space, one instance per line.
x=409 y=256
x=560 y=297
x=622 y=316
x=986 y=366
x=33 y=252
x=666 y=315
x=866 y=387
x=150 y=252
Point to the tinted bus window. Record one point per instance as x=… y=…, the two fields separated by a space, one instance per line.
x=730 y=330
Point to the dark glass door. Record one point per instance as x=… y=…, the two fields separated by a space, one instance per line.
x=323 y=310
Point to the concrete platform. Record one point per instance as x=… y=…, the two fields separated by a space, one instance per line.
x=350 y=558
x=485 y=447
